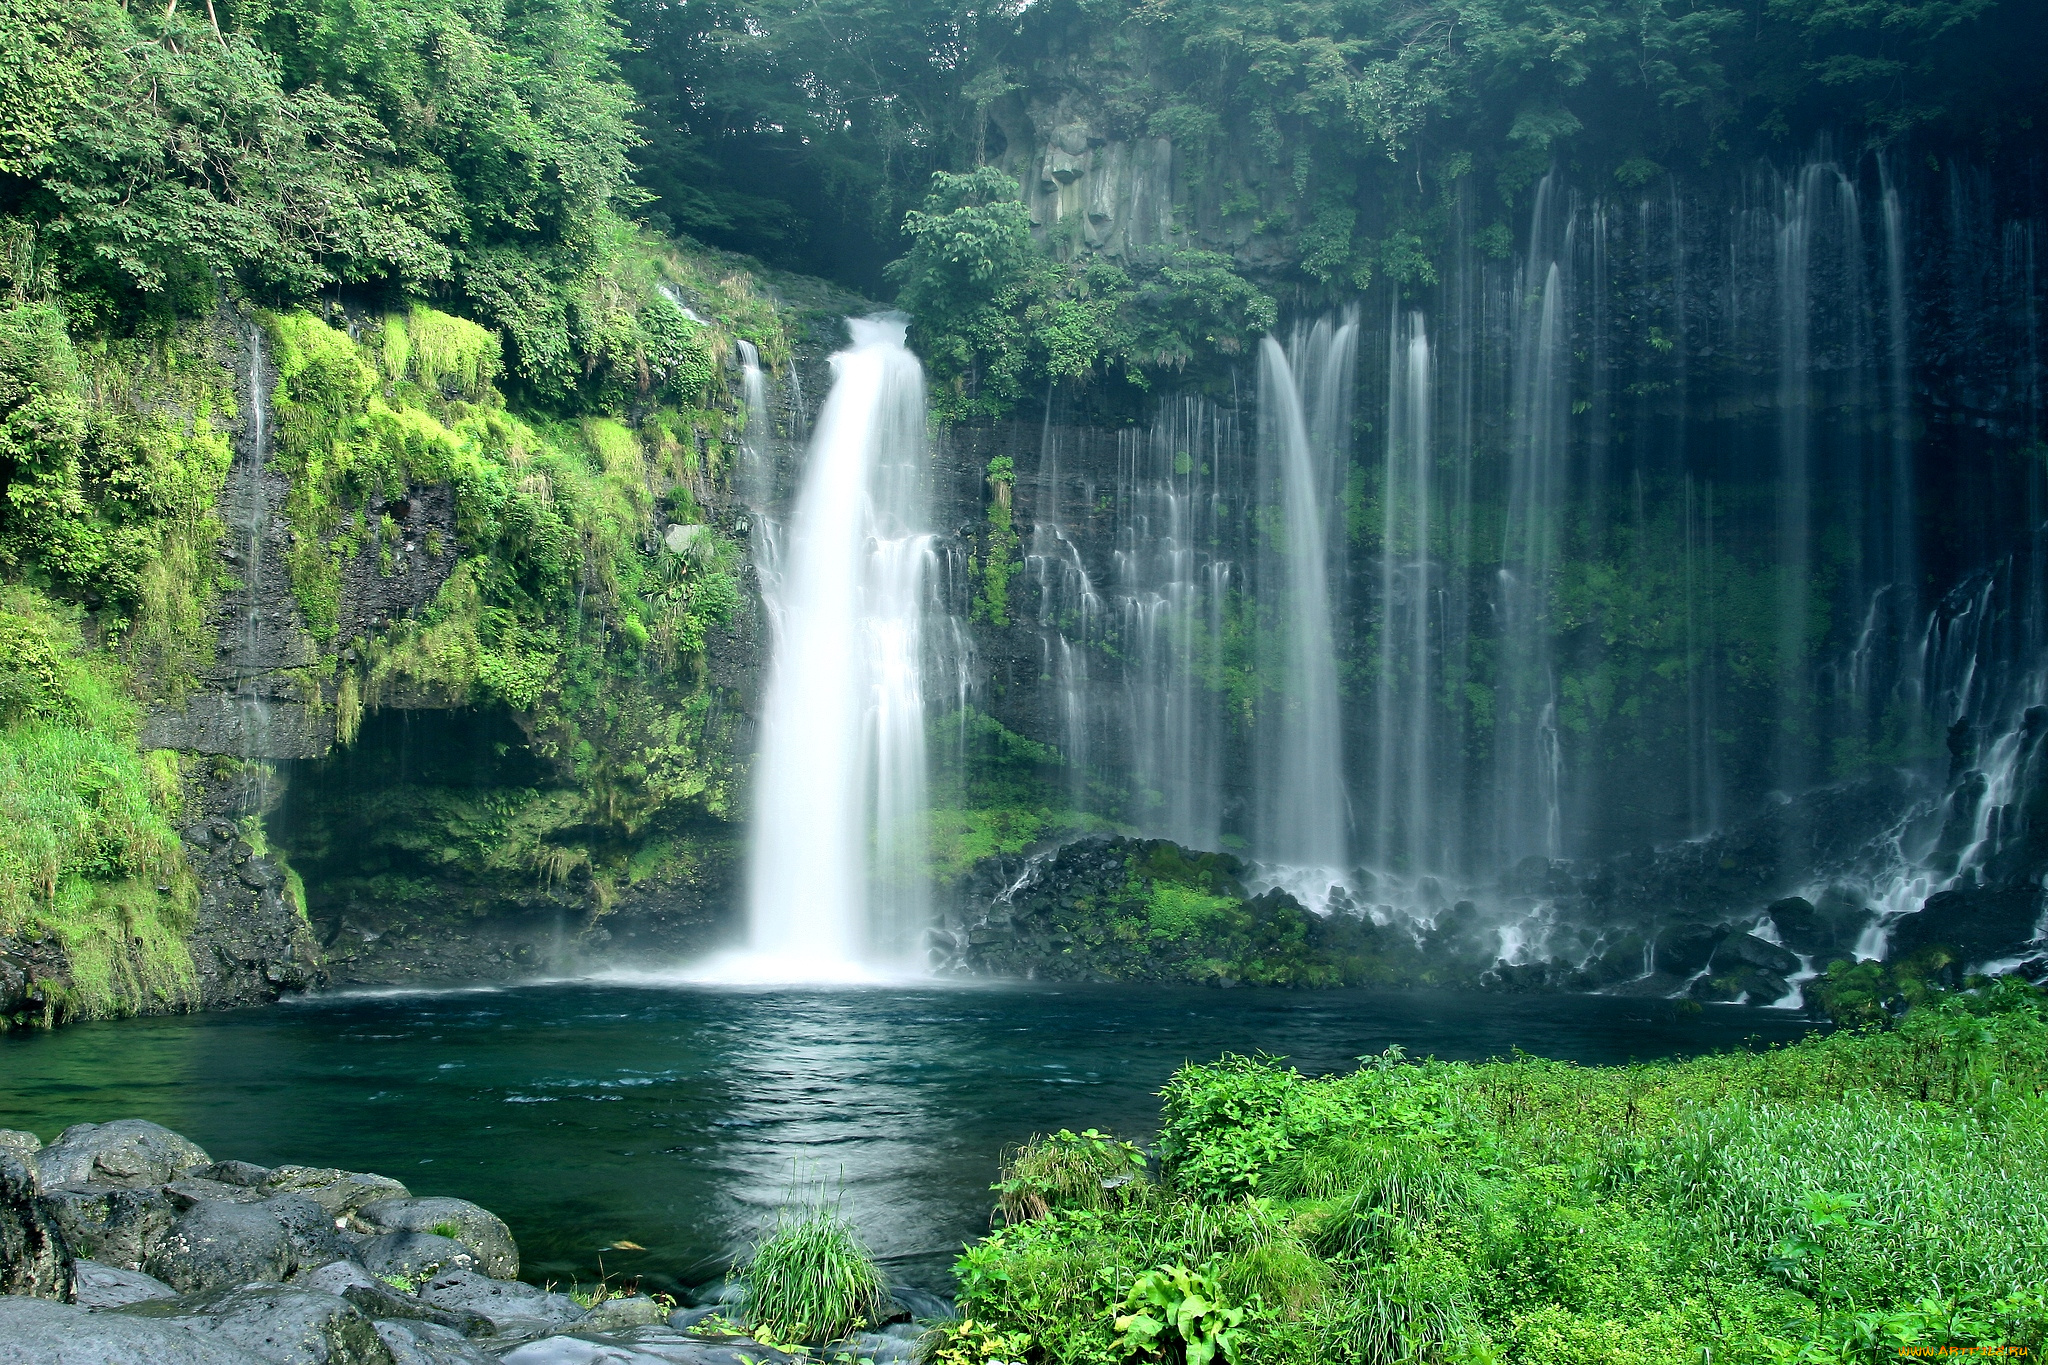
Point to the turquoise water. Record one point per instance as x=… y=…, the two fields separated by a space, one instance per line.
x=677 y=1118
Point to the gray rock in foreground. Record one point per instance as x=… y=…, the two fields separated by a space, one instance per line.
x=514 y=1309
x=38 y=1332
x=105 y=1286
x=283 y=1324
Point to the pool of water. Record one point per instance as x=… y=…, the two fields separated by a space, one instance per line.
x=678 y=1118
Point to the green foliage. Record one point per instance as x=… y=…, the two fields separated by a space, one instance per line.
x=1172 y=1304
x=994 y=315
x=999 y=546
x=88 y=854
x=811 y=1280
x=1840 y=1199
x=968 y=1342
x=1069 y=1170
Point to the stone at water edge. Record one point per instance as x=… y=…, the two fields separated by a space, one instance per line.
x=105 y=1286
x=339 y=1192
x=482 y=1231
x=32 y=1251
x=414 y=1256
x=214 y=1244
x=126 y=1152
x=513 y=1308
x=381 y=1301
x=21 y=1145
x=622 y=1315
x=1747 y=950
x=38 y=1332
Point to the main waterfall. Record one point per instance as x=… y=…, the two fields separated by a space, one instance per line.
x=836 y=869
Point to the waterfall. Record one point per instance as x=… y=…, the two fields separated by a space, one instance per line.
x=1305 y=396
x=1409 y=825
x=837 y=864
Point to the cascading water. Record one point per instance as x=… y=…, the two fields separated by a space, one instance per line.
x=1305 y=398
x=837 y=865
x=1408 y=825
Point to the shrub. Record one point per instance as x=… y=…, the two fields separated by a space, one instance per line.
x=1087 y=1170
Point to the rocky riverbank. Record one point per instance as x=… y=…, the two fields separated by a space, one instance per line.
x=126 y=1244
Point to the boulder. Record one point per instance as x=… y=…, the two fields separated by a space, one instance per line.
x=94 y=1285
x=38 y=1332
x=1980 y=923
x=282 y=1324
x=1683 y=949
x=422 y=1343
x=1823 y=932
x=1747 y=950
x=127 y=1152
x=620 y=1315
x=242 y=1173
x=340 y=1193
x=380 y=1300
x=482 y=1231
x=314 y=1238
x=108 y=1223
x=514 y=1309
x=32 y=1249
x=413 y=1256
x=214 y=1245
x=645 y=1346
x=22 y=1146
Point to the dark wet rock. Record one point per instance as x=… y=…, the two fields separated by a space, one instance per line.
x=340 y=1193
x=414 y=1255
x=242 y=1173
x=282 y=1324
x=717 y=1294
x=38 y=1332
x=1743 y=983
x=513 y=1308
x=482 y=1231
x=183 y=1194
x=105 y=1286
x=111 y=1224
x=1747 y=950
x=380 y=1300
x=620 y=1315
x=423 y=1343
x=1683 y=949
x=214 y=1244
x=921 y=1304
x=32 y=1251
x=1979 y=923
x=1656 y=985
x=127 y=1152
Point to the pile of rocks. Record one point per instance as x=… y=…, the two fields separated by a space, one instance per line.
x=126 y=1244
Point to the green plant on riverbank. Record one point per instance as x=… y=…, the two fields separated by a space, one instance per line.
x=812 y=1280
x=1843 y=1198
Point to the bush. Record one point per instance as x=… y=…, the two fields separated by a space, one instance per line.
x=1069 y=1170
x=1841 y=1199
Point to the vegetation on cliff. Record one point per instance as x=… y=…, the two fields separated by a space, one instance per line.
x=1846 y=1198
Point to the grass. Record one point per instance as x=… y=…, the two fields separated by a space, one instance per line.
x=1840 y=1199
x=812 y=1280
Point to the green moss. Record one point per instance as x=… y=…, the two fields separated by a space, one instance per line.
x=88 y=852
x=999 y=546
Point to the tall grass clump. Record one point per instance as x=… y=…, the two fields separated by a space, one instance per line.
x=811 y=1280
x=1069 y=1170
